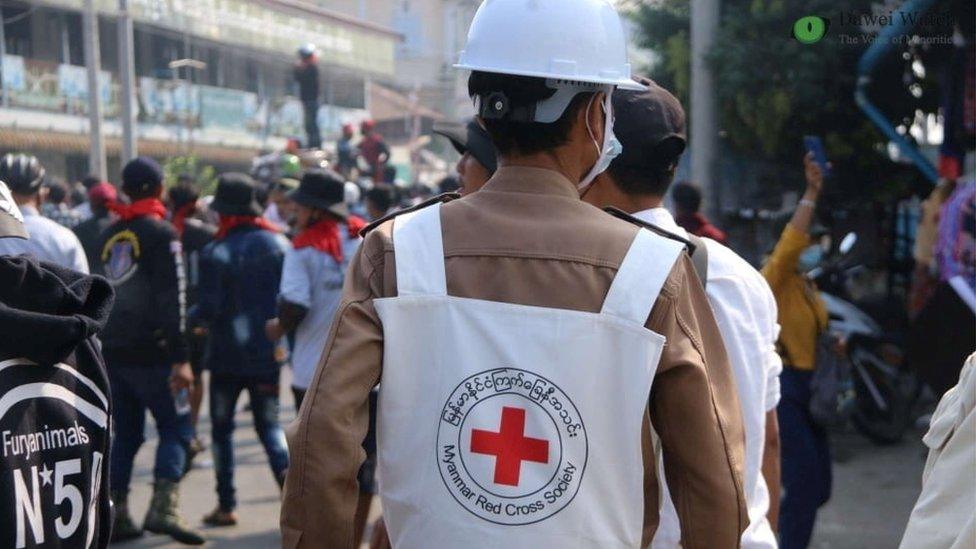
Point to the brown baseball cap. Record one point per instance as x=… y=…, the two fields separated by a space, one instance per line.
x=11 y=220
x=644 y=121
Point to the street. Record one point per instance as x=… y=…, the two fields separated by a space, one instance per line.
x=875 y=488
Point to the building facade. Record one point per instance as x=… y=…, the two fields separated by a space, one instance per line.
x=242 y=101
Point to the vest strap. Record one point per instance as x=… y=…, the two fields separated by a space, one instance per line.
x=641 y=276
x=419 y=247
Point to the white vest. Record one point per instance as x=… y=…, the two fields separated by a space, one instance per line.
x=512 y=426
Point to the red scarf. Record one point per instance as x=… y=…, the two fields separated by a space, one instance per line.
x=230 y=222
x=180 y=215
x=323 y=235
x=147 y=207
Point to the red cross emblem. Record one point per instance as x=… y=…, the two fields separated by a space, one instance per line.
x=510 y=446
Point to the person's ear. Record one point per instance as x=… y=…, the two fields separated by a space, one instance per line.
x=591 y=118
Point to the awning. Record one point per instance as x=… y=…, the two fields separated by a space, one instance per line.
x=386 y=104
x=31 y=140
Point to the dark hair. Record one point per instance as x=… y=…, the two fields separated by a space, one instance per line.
x=448 y=184
x=57 y=190
x=183 y=193
x=687 y=197
x=652 y=174
x=522 y=91
x=383 y=197
x=79 y=194
x=90 y=181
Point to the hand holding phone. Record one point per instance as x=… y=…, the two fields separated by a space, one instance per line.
x=814 y=145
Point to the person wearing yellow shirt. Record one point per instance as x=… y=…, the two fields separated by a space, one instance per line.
x=806 y=474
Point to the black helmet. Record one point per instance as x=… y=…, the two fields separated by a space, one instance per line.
x=23 y=173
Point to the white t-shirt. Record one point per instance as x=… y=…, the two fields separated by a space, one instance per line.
x=313 y=279
x=48 y=242
x=746 y=312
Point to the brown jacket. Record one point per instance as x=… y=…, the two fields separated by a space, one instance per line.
x=527 y=238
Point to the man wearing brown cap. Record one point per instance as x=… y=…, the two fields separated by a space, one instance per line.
x=651 y=127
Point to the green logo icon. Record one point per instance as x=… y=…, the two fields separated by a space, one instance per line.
x=810 y=29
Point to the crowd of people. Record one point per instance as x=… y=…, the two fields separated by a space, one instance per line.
x=547 y=357
x=237 y=285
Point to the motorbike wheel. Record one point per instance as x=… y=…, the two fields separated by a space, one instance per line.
x=883 y=426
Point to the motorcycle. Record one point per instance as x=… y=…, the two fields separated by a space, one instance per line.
x=885 y=389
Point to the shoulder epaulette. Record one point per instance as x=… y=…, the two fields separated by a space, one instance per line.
x=620 y=214
x=441 y=198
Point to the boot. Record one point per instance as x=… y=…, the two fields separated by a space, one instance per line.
x=123 y=528
x=163 y=516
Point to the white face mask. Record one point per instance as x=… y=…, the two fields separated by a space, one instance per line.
x=611 y=145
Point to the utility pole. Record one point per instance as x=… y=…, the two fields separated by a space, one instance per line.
x=3 y=53
x=127 y=71
x=704 y=125
x=96 y=159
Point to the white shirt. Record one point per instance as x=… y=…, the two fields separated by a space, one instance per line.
x=84 y=211
x=746 y=313
x=48 y=242
x=943 y=517
x=313 y=279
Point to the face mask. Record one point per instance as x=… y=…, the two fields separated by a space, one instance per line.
x=810 y=258
x=611 y=146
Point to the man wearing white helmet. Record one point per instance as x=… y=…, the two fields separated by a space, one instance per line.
x=524 y=341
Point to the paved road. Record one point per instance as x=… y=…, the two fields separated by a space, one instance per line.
x=874 y=491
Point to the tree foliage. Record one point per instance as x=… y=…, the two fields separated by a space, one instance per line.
x=204 y=175
x=772 y=90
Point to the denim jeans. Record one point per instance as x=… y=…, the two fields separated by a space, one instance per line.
x=136 y=388
x=805 y=461
x=225 y=389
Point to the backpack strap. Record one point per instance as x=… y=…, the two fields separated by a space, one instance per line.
x=419 y=246
x=699 y=258
x=697 y=250
x=641 y=276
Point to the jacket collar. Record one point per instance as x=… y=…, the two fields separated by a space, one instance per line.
x=520 y=179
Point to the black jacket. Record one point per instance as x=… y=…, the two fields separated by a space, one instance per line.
x=55 y=416
x=88 y=232
x=307 y=76
x=143 y=260
x=196 y=236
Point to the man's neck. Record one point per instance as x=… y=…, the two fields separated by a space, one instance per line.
x=31 y=201
x=606 y=193
x=640 y=203
x=550 y=160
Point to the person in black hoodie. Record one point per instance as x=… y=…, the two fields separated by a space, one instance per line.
x=145 y=347
x=194 y=235
x=56 y=409
x=90 y=230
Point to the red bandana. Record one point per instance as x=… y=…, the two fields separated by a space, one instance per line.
x=147 y=207
x=180 y=215
x=324 y=236
x=230 y=222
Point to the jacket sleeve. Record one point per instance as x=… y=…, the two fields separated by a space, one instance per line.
x=695 y=411
x=785 y=257
x=168 y=284
x=325 y=442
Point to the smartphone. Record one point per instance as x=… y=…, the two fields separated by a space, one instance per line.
x=815 y=145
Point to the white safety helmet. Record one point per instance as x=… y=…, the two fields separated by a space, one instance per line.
x=307 y=50
x=575 y=40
